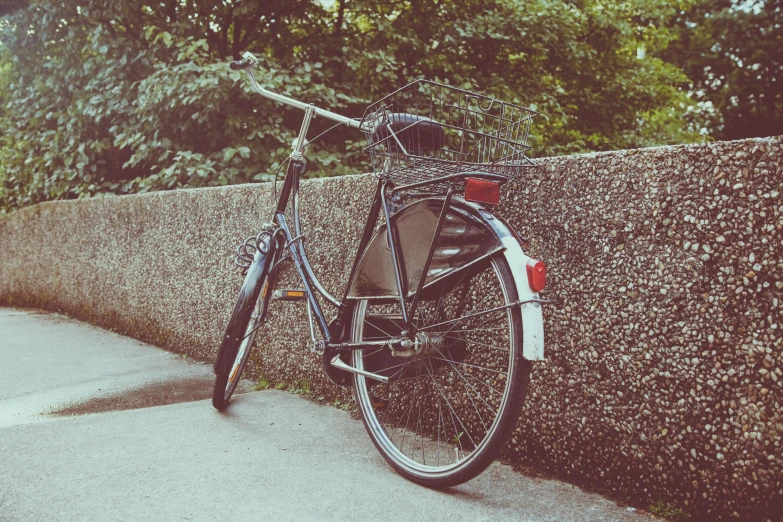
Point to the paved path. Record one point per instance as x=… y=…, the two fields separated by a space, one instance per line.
x=273 y=456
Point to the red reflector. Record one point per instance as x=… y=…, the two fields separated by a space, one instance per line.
x=482 y=191
x=536 y=275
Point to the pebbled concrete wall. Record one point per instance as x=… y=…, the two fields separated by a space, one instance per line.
x=665 y=373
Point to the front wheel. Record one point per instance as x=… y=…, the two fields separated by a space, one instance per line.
x=237 y=344
x=226 y=383
x=450 y=406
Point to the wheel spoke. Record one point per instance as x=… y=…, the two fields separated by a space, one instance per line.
x=486 y=321
x=478 y=343
x=407 y=420
x=466 y=432
x=470 y=316
x=464 y=382
x=466 y=364
x=479 y=381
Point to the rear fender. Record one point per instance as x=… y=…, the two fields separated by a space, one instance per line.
x=532 y=314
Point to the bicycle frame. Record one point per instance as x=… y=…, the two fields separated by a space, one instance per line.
x=295 y=240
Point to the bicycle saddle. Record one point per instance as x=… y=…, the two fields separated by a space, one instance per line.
x=417 y=134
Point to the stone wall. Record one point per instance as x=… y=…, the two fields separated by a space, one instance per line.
x=663 y=380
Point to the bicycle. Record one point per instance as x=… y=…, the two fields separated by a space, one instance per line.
x=441 y=318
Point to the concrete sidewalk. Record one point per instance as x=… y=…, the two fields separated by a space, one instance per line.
x=272 y=456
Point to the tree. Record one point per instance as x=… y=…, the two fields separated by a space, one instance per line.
x=125 y=96
x=733 y=53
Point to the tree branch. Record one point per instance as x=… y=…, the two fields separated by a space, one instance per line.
x=338 y=28
x=237 y=38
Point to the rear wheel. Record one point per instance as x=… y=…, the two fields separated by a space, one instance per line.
x=449 y=408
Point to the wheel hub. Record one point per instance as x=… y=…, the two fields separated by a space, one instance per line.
x=425 y=343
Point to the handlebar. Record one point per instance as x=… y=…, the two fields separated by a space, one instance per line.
x=249 y=61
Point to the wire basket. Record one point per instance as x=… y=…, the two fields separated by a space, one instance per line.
x=427 y=130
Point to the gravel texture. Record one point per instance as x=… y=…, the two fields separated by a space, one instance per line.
x=664 y=376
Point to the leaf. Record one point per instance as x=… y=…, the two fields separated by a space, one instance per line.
x=228 y=154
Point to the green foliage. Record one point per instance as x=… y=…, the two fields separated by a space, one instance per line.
x=669 y=511
x=121 y=97
x=262 y=384
x=348 y=406
x=301 y=387
x=732 y=50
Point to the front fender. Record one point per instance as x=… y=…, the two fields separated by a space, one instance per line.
x=243 y=308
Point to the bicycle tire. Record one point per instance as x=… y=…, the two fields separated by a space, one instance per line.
x=236 y=348
x=226 y=383
x=484 y=441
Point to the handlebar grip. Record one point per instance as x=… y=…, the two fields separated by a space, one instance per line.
x=239 y=65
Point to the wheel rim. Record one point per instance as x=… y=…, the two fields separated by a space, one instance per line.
x=449 y=406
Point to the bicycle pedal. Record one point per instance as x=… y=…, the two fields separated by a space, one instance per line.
x=289 y=294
